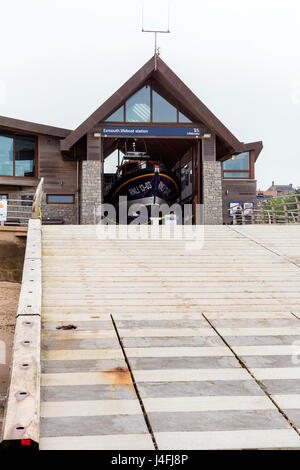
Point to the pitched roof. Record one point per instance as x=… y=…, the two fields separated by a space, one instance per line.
x=19 y=125
x=175 y=86
x=281 y=187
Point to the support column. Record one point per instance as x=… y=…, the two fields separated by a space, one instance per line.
x=212 y=182
x=212 y=193
x=91 y=188
x=92 y=181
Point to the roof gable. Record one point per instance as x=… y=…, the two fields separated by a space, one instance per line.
x=165 y=78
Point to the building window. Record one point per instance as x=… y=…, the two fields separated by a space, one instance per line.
x=147 y=105
x=60 y=198
x=3 y=197
x=6 y=156
x=162 y=110
x=183 y=118
x=138 y=106
x=17 y=155
x=238 y=167
x=117 y=116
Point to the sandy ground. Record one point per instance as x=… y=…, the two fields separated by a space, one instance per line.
x=9 y=296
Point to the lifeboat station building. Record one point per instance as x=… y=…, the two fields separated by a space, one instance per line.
x=153 y=112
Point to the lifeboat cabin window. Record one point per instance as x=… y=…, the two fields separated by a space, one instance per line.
x=17 y=155
x=148 y=106
x=237 y=167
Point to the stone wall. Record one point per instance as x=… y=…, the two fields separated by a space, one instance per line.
x=68 y=212
x=212 y=193
x=90 y=192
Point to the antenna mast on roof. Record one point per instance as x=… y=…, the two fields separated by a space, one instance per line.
x=156 y=31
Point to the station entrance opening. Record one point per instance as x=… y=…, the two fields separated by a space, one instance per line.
x=153 y=171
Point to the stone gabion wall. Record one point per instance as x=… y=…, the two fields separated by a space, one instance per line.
x=90 y=192
x=212 y=193
x=68 y=212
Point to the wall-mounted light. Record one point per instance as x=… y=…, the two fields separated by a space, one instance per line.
x=206 y=136
x=97 y=135
x=233 y=157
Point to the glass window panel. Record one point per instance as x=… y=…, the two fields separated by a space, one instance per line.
x=162 y=110
x=60 y=199
x=24 y=156
x=241 y=162
x=3 y=197
x=183 y=118
x=117 y=116
x=228 y=174
x=138 y=106
x=6 y=156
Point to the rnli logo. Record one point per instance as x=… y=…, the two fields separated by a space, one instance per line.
x=196 y=130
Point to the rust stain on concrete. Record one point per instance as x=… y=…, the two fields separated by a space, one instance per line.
x=118 y=376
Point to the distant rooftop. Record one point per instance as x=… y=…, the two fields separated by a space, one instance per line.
x=280 y=189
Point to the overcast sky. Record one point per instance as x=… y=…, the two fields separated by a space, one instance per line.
x=61 y=59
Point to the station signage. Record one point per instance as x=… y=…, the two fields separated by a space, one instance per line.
x=145 y=131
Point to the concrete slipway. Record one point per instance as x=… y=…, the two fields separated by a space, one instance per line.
x=171 y=344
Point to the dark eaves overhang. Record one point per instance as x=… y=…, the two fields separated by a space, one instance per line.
x=11 y=124
x=254 y=146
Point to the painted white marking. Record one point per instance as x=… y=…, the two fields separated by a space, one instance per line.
x=78 y=354
x=54 y=317
x=83 y=378
x=190 y=375
x=106 y=442
x=287 y=401
x=268 y=350
x=158 y=316
x=90 y=408
x=259 y=331
x=207 y=403
x=79 y=334
x=180 y=352
x=276 y=373
x=236 y=315
x=165 y=332
x=214 y=440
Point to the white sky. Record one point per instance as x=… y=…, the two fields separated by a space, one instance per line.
x=61 y=59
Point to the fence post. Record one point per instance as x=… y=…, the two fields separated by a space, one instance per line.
x=274 y=217
x=297 y=197
x=37 y=200
x=286 y=212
